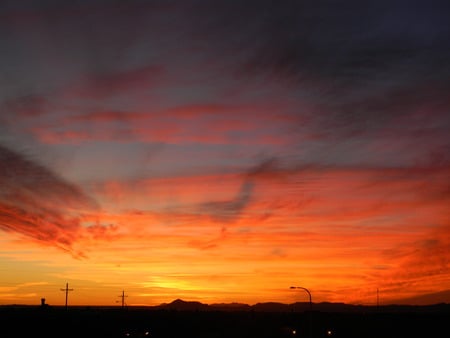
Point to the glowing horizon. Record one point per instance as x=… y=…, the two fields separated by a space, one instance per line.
x=222 y=153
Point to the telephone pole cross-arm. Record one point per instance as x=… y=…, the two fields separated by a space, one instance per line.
x=67 y=292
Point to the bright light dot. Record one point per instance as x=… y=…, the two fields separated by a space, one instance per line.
x=329 y=333
x=294 y=332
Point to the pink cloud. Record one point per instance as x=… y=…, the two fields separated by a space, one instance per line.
x=108 y=85
x=243 y=124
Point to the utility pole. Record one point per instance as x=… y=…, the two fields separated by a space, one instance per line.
x=67 y=292
x=123 y=298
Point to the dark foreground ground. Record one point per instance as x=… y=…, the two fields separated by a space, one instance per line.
x=116 y=322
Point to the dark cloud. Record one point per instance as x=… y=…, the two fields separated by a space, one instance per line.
x=350 y=43
x=26 y=106
x=364 y=68
x=269 y=165
x=265 y=169
x=230 y=210
x=37 y=203
x=358 y=64
x=113 y=84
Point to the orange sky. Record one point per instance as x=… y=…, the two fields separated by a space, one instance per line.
x=210 y=156
x=341 y=245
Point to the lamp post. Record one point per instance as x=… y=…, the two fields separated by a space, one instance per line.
x=310 y=307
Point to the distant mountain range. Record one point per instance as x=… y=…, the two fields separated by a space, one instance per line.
x=181 y=305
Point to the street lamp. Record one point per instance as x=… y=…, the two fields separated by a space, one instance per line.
x=309 y=294
x=310 y=307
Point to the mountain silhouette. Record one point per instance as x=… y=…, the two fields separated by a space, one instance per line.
x=181 y=305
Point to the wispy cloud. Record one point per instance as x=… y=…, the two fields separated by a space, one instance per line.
x=39 y=204
x=227 y=211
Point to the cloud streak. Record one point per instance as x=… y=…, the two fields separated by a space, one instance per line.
x=38 y=204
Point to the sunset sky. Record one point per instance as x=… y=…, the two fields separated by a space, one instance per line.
x=222 y=151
